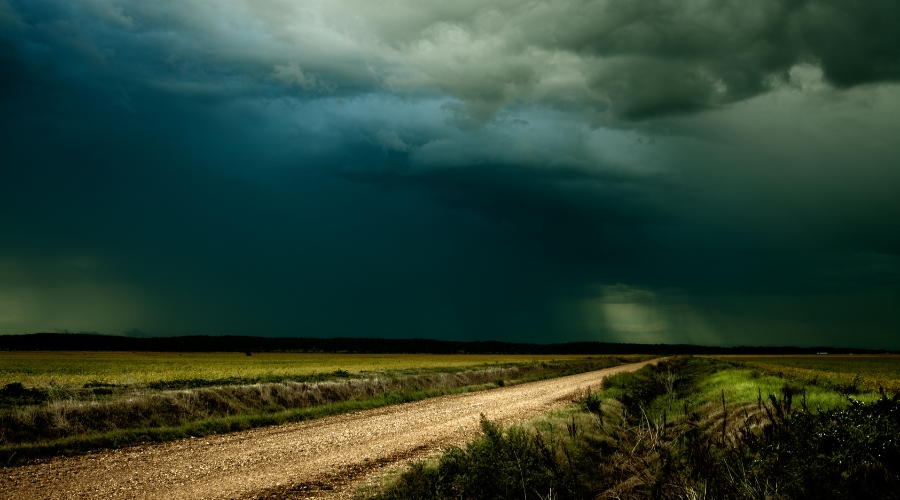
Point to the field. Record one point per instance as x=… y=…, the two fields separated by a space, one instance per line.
x=44 y=369
x=851 y=373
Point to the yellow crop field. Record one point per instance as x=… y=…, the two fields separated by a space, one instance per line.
x=866 y=371
x=73 y=369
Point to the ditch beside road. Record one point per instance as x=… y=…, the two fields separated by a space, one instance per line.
x=317 y=458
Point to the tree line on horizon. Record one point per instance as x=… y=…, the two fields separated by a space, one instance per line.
x=206 y=343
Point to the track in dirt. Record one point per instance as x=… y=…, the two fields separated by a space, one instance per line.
x=318 y=458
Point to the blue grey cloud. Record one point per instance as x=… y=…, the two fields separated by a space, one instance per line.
x=544 y=171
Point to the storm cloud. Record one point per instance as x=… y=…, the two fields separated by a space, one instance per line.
x=647 y=171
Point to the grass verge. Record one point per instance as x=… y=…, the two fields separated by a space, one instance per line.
x=22 y=453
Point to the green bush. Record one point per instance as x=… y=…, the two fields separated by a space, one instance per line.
x=844 y=453
x=592 y=403
x=851 y=453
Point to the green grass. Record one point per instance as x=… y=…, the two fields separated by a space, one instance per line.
x=705 y=381
x=746 y=385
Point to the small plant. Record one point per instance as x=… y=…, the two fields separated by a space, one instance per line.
x=592 y=403
x=16 y=394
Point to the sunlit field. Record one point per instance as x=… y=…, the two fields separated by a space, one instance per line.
x=863 y=372
x=74 y=369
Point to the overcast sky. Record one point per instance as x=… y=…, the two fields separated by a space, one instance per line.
x=702 y=171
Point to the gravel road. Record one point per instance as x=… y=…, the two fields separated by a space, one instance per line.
x=322 y=458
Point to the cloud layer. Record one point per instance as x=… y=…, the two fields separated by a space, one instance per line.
x=704 y=171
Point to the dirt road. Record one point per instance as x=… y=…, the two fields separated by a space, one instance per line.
x=318 y=458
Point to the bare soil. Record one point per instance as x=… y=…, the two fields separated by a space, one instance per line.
x=325 y=458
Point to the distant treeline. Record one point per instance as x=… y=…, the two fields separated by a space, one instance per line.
x=206 y=343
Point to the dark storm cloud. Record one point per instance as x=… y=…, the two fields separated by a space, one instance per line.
x=656 y=57
x=633 y=60
x=703 y=171
x=622 y=59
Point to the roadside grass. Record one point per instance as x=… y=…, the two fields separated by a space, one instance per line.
x=678 y=391
x=548 y=458
x=72 y=426
x=687 y=428
x=15 y=454
x=746 y=385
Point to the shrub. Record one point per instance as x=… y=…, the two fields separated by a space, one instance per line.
x=504 y=463
x=851 y=453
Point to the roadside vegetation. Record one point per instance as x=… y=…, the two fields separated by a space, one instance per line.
x=40 y=421
x=686 y=428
